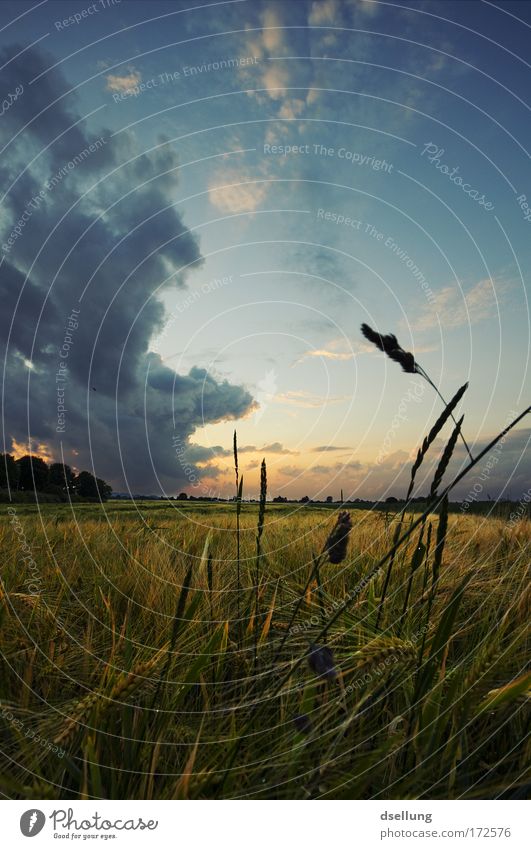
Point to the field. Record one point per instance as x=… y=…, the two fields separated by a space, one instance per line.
x=133 y=667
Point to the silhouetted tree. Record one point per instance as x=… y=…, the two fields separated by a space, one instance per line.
x=183 y=496
x=305 y=499
x=329 y=499
x=87 y=486
x=9 y=472
x=61 y=475
x=33 y=473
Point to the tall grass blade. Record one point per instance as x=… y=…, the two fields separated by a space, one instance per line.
x=433 y=433
x=445 y=459
x=239 y=487
x=177 y=624
x=259 y=532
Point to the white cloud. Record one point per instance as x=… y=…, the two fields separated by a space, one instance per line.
x=365 y=7
x=291 y=108
x=336 y=349
x=272 y=38
x=330 y=355
x=126 y=82
x=324 y=12
x=275 y=80
x=233 y=191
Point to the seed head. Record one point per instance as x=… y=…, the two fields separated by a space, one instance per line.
x=321 y=661
x=336 y=544
x=389 y=345
x=303 y=723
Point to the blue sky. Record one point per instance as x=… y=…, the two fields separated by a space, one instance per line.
x=326 y=164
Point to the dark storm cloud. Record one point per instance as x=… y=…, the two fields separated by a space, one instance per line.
x=50 y=124
x=118 y=242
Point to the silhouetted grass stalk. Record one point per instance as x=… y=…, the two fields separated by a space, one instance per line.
x=239 y=489
x=389 y=345
x=259 y=532
x=421 y=453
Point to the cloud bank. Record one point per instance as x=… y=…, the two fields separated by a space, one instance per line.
x=84 y=259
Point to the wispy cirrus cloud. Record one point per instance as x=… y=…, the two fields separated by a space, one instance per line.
x=337 y=349
x=455 y=308
x=323 y=448
x=301 y=398
x=330 y=355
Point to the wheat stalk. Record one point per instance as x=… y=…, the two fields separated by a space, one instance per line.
x=259 y=532
x=121 y=690
x=389 y=345
x=382 y=648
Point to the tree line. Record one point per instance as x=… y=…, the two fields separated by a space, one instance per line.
x=31 y=474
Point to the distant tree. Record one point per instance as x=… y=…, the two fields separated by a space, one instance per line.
x=280 y=499
x=33 y=473
x=329 y=499
x=86 y=485
x=104 y=489
x=391 y=499
x=304 y=500
x=61 y=475
x=183 y=496
x=9 y=472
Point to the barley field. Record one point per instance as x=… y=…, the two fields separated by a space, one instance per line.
x=142 y=659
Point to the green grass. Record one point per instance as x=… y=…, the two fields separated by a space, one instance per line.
x=118 y=597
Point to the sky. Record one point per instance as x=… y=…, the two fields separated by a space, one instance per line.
x=202 y=203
